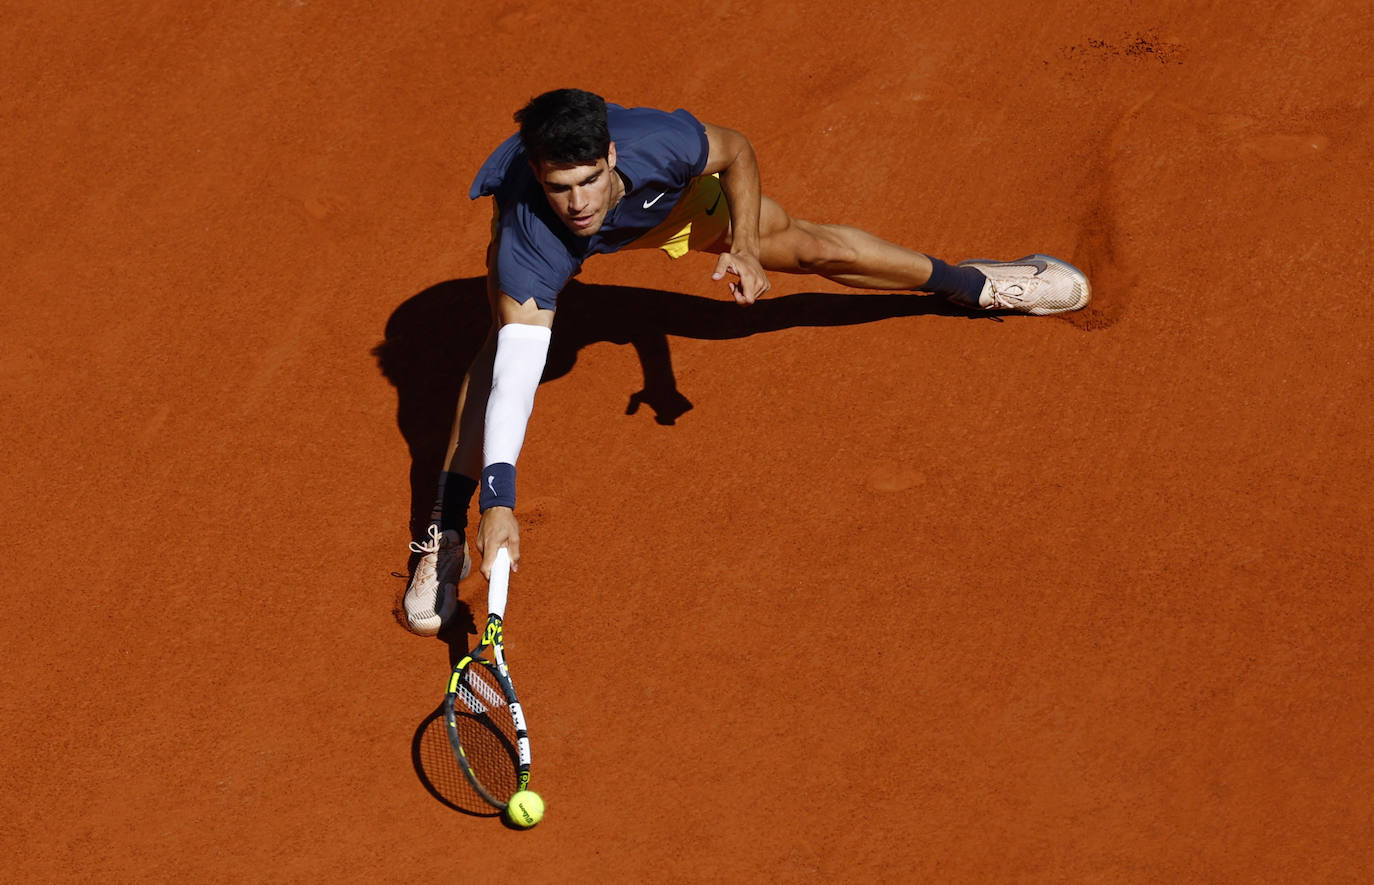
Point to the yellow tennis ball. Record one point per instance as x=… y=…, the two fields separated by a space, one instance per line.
x=525 y=808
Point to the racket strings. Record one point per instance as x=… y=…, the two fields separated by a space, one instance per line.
x=480 y=696
x=486 y=731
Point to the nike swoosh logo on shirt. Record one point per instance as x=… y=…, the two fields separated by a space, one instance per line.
x=648 y=203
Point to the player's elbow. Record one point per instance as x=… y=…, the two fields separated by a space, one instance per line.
x=741 y=149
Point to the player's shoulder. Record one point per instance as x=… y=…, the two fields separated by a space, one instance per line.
x=638 y=121
x=649 y=141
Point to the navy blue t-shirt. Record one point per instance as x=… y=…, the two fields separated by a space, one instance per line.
x=658 y=154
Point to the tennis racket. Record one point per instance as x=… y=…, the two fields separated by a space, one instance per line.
x=485 y=723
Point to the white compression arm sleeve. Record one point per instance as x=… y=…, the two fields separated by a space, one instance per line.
x=521 y=350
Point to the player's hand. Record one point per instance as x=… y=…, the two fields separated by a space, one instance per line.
x=498 y=529
x=752 y=282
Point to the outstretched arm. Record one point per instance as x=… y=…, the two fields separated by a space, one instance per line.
x=731 y=154
x=522 y=345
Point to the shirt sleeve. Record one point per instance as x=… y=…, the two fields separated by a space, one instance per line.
x=675 y=141
x=692 y=144
x=494 y=171
x=531 y=261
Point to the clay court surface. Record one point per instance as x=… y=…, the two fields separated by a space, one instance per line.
x=904 y=595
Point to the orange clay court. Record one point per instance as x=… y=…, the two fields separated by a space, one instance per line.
x=835 y=588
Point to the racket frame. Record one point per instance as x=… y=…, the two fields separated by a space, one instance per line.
x=493 y=642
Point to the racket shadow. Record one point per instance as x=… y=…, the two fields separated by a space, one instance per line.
x=438 y=771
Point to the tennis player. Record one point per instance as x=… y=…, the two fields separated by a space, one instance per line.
x=583 y=177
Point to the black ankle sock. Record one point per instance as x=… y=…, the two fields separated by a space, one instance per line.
x=963 y=283
x=455 y=493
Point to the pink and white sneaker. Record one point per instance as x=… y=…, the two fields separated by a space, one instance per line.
x=433 y=592
x=1037 y=285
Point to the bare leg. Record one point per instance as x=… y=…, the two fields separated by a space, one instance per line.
x=846 y=255
x=465 y=443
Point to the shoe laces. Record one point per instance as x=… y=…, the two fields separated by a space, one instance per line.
x=430 y=546
x=1010 y=294
x=426 y=568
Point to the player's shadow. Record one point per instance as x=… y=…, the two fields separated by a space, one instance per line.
x=433 y=336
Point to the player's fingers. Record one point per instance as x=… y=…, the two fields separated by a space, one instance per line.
x=750 y=288
x=510 y=539
x=488 y=562
x=724 y=265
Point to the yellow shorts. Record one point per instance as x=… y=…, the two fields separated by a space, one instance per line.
x=700 y=218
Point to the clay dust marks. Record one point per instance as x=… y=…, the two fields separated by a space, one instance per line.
x=1148 y=47
x=1250 y=139
x=1283 y=148
x=1158 y=186
x=894 y=477
x=1099 y=252
x=1133 y=67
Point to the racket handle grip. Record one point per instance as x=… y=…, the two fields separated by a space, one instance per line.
x=500 y=583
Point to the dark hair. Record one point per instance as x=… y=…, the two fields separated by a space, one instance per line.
x=564 y=127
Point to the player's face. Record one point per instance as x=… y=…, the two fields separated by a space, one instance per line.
x=581 y=195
